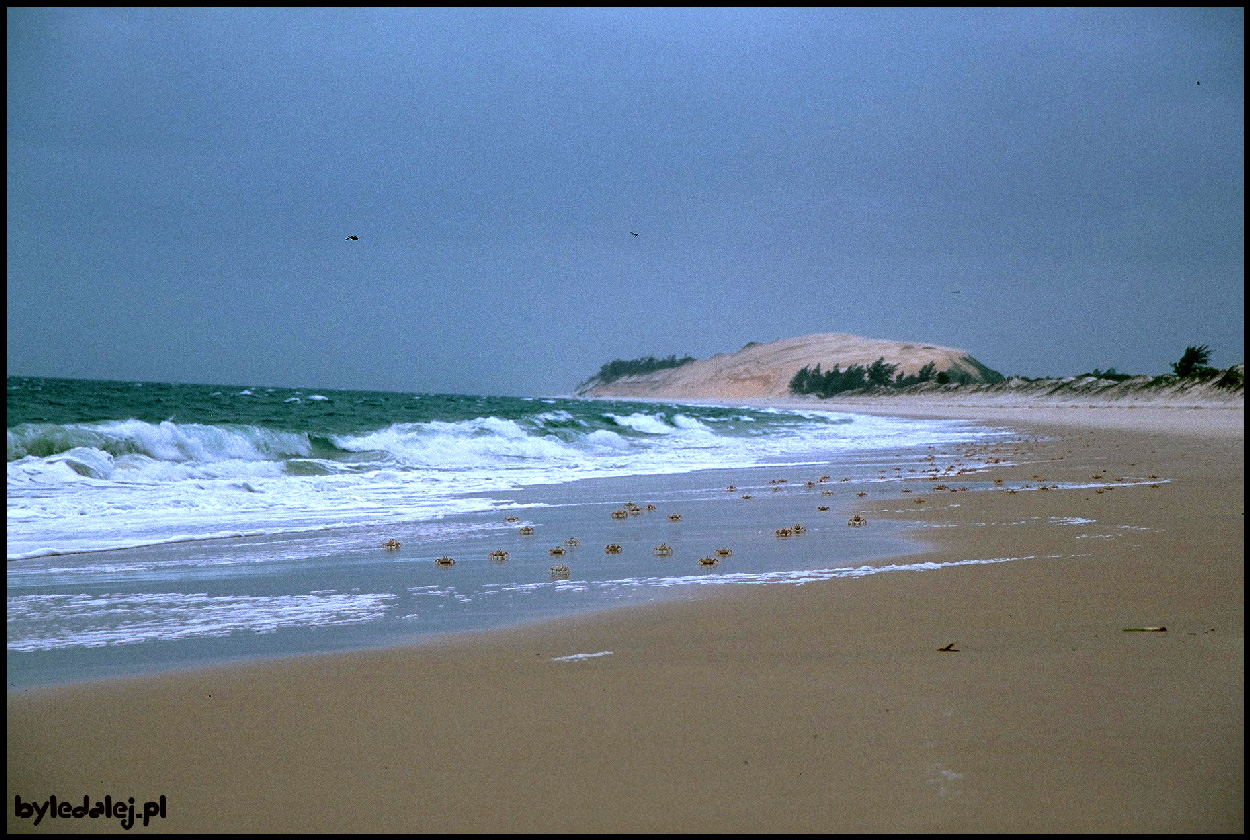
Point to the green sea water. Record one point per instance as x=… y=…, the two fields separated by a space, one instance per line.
x=160 y=525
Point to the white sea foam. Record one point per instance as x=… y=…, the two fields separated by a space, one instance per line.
x=651 y=424
x=131 y=483
x=165 y=441
x=793 y=576
x=557 y=416
x=116 y=515
x=47 y=622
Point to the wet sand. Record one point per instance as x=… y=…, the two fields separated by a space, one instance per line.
x=822 y=707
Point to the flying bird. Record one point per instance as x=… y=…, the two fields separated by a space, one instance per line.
x=353 y=239
x=632 y=233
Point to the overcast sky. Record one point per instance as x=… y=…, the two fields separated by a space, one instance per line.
x=1050 y=190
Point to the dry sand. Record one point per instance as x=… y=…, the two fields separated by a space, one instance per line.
x=825 y=707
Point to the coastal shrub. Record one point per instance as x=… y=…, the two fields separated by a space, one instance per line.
x=853 y=378
x=617 y=368
x=833 y=381
x=988 y=375
x=1193 y=364
x=810 y=380
x=956 y=376
x=1109 y=373
x=880 y=372
x=1231 y=379
x=925 y=374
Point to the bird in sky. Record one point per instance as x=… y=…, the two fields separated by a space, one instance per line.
x=632 y=233
x=353 y=239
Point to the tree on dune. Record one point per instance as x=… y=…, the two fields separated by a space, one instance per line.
x=881 y=372
x=1193 y=364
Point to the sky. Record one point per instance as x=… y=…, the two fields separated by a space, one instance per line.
x=1050 y=190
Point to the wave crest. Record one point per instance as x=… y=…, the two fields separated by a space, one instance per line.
x=166 y=441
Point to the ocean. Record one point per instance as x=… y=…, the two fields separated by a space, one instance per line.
x=155 y=526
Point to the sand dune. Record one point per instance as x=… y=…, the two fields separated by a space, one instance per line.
x=761 y=373
x=765 y=370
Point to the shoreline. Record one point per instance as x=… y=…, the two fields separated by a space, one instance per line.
x=518 y=591
x=821 y=707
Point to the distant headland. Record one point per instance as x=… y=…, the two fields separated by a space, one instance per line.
x=849 y=366
x=808 y=364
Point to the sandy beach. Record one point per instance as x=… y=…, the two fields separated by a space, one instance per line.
x=828 y=707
